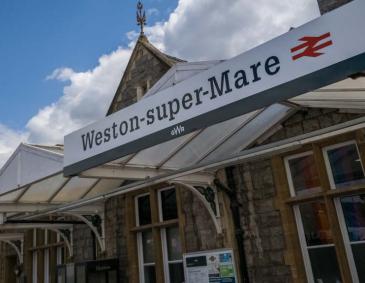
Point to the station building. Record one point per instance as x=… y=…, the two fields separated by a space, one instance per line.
x=279 y=195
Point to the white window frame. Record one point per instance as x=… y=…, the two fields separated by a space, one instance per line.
x=288 y=171
x=347 y=243
x=46 y=258
x=140 y=242
x=160 y=212
x=59 y=258
x=304 y=246
x=141 y=258
x=34 y=258
x=328 y=165
x=136 y=210
x=166 y=261
x=165 y=255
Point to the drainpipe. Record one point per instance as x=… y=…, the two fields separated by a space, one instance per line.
x=231 y=191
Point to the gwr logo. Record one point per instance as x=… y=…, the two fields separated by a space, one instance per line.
x=311 y=46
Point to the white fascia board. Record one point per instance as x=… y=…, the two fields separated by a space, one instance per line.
x=139 y=173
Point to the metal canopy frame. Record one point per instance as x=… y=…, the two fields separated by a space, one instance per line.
x=189 y=161
x=16 y=241
x=258 y=152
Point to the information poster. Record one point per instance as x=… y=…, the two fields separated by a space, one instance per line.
x=210 y=267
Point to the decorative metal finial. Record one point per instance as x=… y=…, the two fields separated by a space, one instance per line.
x=141 y=16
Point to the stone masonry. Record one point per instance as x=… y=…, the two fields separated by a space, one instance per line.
x=260 y=219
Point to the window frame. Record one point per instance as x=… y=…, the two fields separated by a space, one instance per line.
x=159 y=200
x=141 y=258
x=137 y=210
x=328 y=164
x=346 y=239
x=328 y=193
x=289 y=175
x=159 y=224
x=303 y=242
x=163 y=233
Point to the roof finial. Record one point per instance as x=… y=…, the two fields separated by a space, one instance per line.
x=141 y=16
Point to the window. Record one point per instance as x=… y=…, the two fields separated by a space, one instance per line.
x=167 y=228
x=34 y=258
x=343 y=198
x=344 y=165
x=302 y=174
x=317 y=242
x=351 y=211
x=173 y=261
x=46 y=258
x=146 y=256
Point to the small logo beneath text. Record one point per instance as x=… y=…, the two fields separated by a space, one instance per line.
x=311 y=46
x=178 y=130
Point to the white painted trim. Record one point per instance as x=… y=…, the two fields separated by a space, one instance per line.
x=347 y=243
x=165 y=253
x=303 y=244
x=136 y=206
x=327 y=162
x=159 y=199
x=288 y=171
x=141 y=258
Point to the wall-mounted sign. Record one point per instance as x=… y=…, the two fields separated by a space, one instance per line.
x=314 y=55
x=210 y=267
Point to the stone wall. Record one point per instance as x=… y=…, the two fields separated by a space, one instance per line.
x=200 y=232
x=309 y=120
x=115 y=233
x=328 y=5
x=144 y=69
x=260 y=218
x=83 y=243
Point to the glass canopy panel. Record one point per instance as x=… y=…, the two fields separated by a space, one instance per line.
x=104 y=186
x=153 y=156
x=74 y=189
x=42 y=191
x=249 y=133
x=205 y=141
x=10 y=197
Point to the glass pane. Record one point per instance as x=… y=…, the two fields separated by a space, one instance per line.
x=168 y=202
x=315 y=223
x=345 y=165
x=324 y=265
x=353 y=208
x=358 y=251
x=97 y=277
x=148 y=248
x=81 y=273
x=304 y=175
x=176 y=271
x=144 y=210
x=173 y=243
x=149 y=274
x=112 y=276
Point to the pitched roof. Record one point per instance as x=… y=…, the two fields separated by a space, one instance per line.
x=142 y=41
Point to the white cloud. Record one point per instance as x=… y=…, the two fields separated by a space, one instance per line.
x=208 y=29
x=85 y=98
x=195 y=30
x=9 y=140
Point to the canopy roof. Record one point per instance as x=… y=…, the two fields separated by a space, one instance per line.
x=32 y=178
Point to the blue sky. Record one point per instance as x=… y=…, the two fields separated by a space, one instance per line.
x=61 y=61
x=39 y=36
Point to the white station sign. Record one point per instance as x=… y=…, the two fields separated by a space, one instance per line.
x=314 y=55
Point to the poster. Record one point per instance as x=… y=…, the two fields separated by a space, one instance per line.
x=210 y=267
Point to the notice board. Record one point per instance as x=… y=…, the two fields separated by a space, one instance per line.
x=215 y=266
